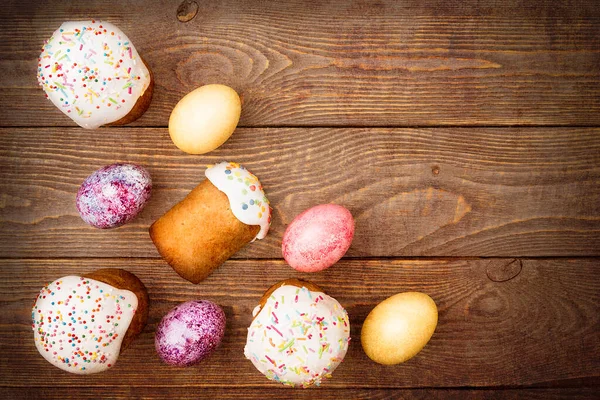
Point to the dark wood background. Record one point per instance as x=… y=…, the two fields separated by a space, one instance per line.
x=464 y=136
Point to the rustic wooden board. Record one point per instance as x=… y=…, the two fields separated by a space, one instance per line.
x=537 y=325
x=413 y=192
x=388 y=63
x=453 y=130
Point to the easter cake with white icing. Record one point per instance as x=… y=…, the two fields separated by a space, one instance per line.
x=216 y=219
x=81 y=324
x=299 y=334
x=92 y=72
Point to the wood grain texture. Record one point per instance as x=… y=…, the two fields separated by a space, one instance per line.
x=162 y=392
x=359 y=63
x=413 y=192
x=519 y=325
x=538 y=328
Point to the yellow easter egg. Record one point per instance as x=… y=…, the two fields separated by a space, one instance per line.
x=205 y=118
x=399 y=327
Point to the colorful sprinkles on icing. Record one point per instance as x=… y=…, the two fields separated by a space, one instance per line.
x=246 y=195
x=91 y=72
x=298 y=337
x=79 y=323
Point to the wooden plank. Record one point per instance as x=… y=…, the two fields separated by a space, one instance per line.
x=413 y=192
x=161 y=392
x=311 y=63
x=538 y=328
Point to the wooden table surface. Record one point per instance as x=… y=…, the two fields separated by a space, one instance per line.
x=464 y=136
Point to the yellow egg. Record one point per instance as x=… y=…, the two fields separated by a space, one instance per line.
x=399 y=327
x=205 y=118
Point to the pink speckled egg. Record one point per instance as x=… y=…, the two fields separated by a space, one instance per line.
x=318 y=238
x=190 y=332
x=113 y=195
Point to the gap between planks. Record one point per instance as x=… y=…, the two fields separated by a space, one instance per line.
x=421 y=126
x=378 y=258
x=592 y=384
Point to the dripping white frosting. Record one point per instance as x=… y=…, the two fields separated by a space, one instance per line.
x=246 y=196
x=298 y=337
x=79 y=323
x=91 y=72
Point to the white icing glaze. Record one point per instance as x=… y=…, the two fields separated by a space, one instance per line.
x=299 y=337
x=79 y=323
x=91 y=72
x=246 y=196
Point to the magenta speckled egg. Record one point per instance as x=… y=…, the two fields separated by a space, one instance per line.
x=190 y=332
x=318 y=238
x=113 y=195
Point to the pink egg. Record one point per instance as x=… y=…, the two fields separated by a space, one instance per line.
x=318 y=238
x=113 y=195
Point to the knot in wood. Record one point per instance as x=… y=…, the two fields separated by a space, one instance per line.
x=187 y=10
x=503 y=270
